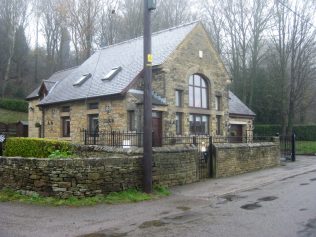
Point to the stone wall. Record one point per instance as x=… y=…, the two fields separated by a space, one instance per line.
x=107 y=170
x=232 y=159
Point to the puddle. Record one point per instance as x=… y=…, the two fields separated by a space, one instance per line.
x=304 y=184
x=182 y=218
x=99 y=234
x=153 y=223
x=267 y=199
x=309 y=230
x=229 y=198
x=313 y=179
x=303 y=209
x=184 y=208
x=233 y=197
x=164 y=213
x=251 y=206
x=252 y=189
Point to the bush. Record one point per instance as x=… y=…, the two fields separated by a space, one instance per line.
x=15 y=105
x=35 y=147
x=303 y=132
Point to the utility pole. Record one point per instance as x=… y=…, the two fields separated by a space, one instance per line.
x=149 y=5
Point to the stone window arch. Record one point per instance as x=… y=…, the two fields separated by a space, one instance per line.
x=198 y=92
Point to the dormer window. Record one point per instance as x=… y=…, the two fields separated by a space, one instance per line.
x=112 y=74
x=82 y=79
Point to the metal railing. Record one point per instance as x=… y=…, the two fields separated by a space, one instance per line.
x=128 y=139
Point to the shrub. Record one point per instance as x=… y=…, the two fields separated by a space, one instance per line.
x=15 y=105
x=303 y=132
x=60 y=154
x=35 y=147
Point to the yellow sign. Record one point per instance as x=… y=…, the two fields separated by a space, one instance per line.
x=150 y=58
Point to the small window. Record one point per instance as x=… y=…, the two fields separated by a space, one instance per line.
x=131 y=121
x=218 y=125
x=93 y=124
x=178 y=123
x=82 y=79
x=178 y=95
x=65 y=109
x=94 y=105
x=112 y=73
x=66 y=127
x=218 y=103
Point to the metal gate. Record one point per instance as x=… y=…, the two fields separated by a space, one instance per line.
x=287 y=147
x=204 y=162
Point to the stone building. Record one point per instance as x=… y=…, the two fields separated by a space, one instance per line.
x=190 y=91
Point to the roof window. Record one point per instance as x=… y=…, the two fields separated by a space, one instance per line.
x=112 y=73
x=82 y=79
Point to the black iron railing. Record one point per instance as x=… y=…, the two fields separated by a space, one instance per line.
x=128 y=139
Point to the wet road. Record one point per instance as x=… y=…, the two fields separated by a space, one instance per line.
x=284 y=208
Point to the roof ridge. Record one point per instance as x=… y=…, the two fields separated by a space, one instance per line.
x=153 y=34
x=63 y=70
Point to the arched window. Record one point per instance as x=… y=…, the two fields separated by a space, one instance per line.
x=197 y=92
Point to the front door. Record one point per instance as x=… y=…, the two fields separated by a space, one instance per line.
x=235 y=135
x=157 y=128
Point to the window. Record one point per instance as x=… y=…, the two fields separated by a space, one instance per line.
x=93 y=124
x=93 y=105
x=218 y=125
x=131 y=121
x=178 y=123
x=112 y=73
x=65 y=109
x=218 y=103
x=82 y=79
x=199 y=124
x=178 y=95
x=66 y=127
x=197 y=92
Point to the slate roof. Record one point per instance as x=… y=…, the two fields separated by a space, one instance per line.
x=128 y=55
x=56 y=77
x=237 y=107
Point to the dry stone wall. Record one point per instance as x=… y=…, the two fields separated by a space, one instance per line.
x=232 y=159
x=106 y=170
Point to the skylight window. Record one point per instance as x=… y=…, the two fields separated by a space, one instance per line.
x=82 y=79
x=112 y=73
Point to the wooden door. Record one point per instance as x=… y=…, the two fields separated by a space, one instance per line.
x=157 y=129
x=235 y=133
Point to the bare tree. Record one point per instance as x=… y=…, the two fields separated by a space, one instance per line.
x=12 y=14
x=109 y=23
x=83 y=16
x=172 y=13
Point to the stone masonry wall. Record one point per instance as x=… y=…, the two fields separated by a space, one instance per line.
x=233 y=159
x=109 y=171
x=176 y=71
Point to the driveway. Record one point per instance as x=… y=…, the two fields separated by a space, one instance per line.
x=282 y=197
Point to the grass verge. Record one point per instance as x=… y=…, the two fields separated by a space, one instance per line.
x=10 y=116
x=306 y=147
x=128 y=196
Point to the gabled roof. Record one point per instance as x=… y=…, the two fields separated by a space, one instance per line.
x=57 y=76
x=128 y=55
x=237 y=107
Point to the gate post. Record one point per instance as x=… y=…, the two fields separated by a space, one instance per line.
x=210 y=157
x=293 y=146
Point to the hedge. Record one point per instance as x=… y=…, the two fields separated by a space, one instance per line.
x=303 y=132
x=34 y=147
x=15 y=105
